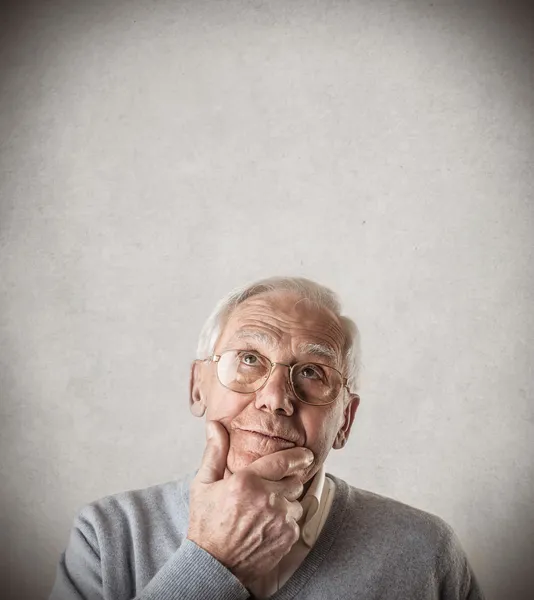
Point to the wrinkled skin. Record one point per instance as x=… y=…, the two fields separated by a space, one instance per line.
x=244 y=504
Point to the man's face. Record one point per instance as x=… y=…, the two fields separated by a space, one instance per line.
x=286 y=329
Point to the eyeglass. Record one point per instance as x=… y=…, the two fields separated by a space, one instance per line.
x=246 y=372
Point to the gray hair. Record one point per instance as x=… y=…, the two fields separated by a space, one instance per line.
x=320 y=295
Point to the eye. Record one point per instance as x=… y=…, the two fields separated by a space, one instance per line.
x=249 y=359
x=312 y=372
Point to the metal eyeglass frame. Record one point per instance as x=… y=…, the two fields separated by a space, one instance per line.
x=215 y=358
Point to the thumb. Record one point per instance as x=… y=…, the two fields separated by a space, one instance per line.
x=215 y=454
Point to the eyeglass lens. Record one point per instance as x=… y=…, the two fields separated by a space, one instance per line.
x=245 y=372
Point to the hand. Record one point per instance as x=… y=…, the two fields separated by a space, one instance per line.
x=247 y=521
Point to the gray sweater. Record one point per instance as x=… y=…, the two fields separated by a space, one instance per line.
x=133 y=545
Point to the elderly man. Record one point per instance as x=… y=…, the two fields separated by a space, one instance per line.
x=275 y=379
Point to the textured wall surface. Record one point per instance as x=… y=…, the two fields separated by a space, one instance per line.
x=156 y=154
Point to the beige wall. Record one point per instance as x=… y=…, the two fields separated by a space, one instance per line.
x=156 y=154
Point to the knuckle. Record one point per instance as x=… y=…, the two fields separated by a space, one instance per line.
x=293 y=531
x=299 y=488
x=272 y=500
x=280 y=464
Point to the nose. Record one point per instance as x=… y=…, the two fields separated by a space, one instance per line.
x=276 y=395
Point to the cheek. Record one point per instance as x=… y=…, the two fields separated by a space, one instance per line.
x=321 y=430
x=223 y=405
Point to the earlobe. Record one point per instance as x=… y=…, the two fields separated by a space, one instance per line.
x=340 y=441
x=197 y=405
x=197 y=409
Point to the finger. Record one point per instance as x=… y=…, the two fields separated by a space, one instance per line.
x=294 y=511
x=215 y=455
x=290 y=488
x=280 y=464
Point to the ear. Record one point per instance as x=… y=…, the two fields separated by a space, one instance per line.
x=349 y=414
x=197 y=403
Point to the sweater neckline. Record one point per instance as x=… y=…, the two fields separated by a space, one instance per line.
x=320 y=549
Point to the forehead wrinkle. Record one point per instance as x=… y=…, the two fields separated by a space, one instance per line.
x=336 y=334
x=258 y=313
x=256 y=335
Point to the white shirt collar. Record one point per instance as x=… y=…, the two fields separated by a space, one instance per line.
x=310 y=503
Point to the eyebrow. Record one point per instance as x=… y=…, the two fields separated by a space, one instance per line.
x=323 y=351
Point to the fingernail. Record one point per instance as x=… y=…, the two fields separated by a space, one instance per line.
x=309 y=457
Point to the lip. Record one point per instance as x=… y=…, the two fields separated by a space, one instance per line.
x=275 y=438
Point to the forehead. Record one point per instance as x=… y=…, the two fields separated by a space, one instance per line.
x=285 y=317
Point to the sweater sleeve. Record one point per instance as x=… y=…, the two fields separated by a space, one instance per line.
x=458 y=580
x=193 y=573
x=189 y=574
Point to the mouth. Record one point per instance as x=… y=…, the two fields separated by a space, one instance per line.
x=274 y=438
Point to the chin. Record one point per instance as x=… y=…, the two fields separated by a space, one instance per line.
x=240 y=459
